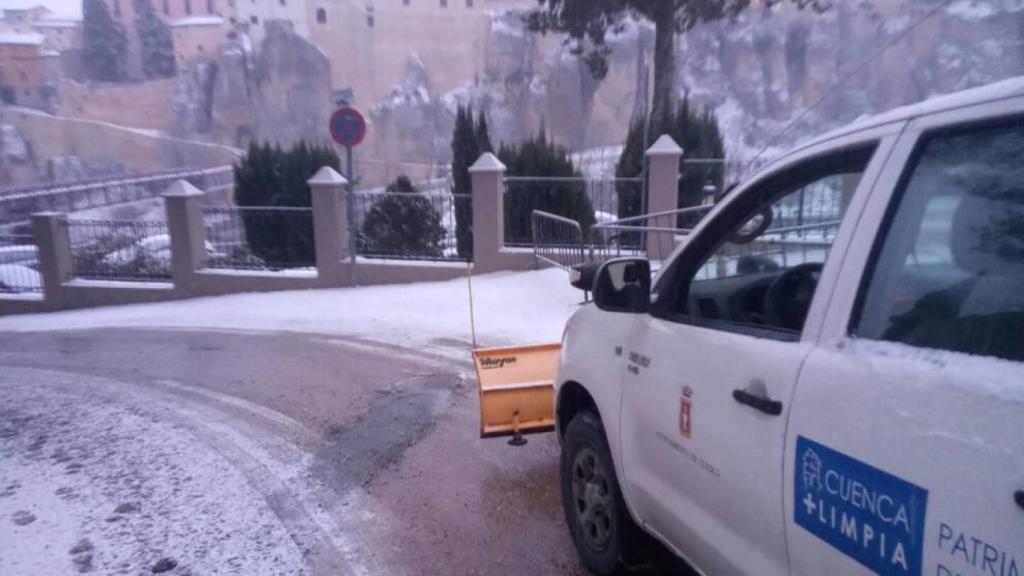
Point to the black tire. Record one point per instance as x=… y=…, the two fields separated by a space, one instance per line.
x=599 y=522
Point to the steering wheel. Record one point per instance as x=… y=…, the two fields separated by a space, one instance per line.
x=789 y=297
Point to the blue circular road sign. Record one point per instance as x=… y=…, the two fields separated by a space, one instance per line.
x=348 y=127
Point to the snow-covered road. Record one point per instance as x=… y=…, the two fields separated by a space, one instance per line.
x=97 y=477
x=245 y=453
x=511 y=308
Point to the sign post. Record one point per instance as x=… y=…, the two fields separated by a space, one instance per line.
x=348 y=128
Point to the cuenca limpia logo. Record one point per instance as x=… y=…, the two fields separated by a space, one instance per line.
x=866 y=513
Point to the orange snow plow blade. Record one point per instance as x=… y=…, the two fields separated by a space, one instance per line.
x=516 y=389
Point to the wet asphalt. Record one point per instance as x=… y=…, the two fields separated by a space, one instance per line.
x=394 y=460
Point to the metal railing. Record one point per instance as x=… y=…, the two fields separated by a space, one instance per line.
x=17 y=205
x=19 y=265
x=587 y=201
x=557 y=240
x=259 y=238
x=632 y=236
x=120 y=250
x=560 y=241
x=411 y=225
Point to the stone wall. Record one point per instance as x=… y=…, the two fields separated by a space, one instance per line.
x=138 y=104
x=99 y=147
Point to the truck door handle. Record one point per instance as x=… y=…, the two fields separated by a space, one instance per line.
x=762 y=403
x=1019 y=498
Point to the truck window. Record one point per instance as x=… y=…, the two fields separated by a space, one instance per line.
x=762 y=260
x=949 y=273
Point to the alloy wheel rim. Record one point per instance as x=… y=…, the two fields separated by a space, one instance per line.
x=592 y=499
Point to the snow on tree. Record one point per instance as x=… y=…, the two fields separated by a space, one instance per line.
x=402 y=223
x=104 y=43
x=586 y=24
x=156 y=46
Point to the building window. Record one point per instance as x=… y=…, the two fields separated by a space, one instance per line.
x=321 y=16
x=370 y=17
x=188 y=7
x=469 y=3
x=405 y=2
x=444 y=3
x=283 y=2
x=209 y=7
x=254 y=19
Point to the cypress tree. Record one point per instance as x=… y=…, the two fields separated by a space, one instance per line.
x=156 y=46
x=698 y=134
x=466 y=148
x=483 y=137
x=541 y=157
x=269 y=176
x=104 y=43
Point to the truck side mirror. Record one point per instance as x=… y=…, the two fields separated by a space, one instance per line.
x=582 y=275
x=623 y=285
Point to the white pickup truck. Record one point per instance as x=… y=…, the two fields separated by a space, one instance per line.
x=827 y=376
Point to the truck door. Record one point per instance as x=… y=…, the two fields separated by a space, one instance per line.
x=905 y=447
x=710 y=372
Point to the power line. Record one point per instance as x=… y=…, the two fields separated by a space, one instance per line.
x=846 y=76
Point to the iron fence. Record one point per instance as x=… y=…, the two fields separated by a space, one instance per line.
x=412 y=225
x=587 y=201
x=259 y=238
x=120 y=250
x=19 y=265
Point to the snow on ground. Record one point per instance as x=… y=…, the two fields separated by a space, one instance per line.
x=90 y=485
x=511 y=308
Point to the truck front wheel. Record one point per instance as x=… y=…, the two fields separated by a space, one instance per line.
x=598 y=520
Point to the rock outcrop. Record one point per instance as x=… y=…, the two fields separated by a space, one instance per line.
x=758 y=72
x=281 y=94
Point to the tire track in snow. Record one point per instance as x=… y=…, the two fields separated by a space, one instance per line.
x=318 y=520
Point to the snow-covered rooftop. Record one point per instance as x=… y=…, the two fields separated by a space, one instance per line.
x=21 y=39
x=198 y=21
x=57 y=22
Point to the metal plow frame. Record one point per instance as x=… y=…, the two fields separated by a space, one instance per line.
x=516 y=387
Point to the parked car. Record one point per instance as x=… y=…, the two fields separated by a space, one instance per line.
x=819 y=387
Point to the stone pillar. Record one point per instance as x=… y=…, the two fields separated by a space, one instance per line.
x=50 y=232
x=487 y=175
x=183 y=204
x=330 y=224
x=662 y=194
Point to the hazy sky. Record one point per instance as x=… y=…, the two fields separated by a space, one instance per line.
x=62 y=7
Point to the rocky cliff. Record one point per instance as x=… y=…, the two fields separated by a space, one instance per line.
x=282 y=92
x=857 y=58
x=759 y=73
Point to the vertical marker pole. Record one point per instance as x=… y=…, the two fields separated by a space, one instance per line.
x=472 y=315
x=350 y=202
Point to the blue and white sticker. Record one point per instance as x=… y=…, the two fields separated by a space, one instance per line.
x=866 y=513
